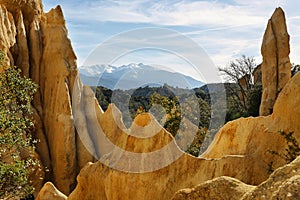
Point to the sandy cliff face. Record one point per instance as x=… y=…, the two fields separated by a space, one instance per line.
x=57 y=71
x=38 y=43
x=282 y=184
x=254 y=135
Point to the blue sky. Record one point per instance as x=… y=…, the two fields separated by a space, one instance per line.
x=225 y=29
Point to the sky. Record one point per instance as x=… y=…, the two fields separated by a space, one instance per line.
x=224 y=29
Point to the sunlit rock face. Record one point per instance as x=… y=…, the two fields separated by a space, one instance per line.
x=276 y=66
x=239 y=150
x=38 y=43
x=282 y=184
x=49 y=192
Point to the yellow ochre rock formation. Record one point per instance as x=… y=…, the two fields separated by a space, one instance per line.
x=282 y=184
x=144 y=161
x=49 y=192
x=38 y=43
x=221 y=188
x=276 y=66
x=240 y=150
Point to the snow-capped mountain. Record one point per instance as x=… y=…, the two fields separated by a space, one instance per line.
x=133 y=76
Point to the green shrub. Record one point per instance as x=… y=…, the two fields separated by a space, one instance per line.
x=16 y=145
x=291 y=152
x=172 y=109
x=195 y=147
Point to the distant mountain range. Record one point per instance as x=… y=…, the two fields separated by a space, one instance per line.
x=133 y=76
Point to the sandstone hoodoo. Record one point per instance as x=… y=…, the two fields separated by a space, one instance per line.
x=276 y=66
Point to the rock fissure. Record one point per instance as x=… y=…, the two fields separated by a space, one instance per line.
x=277 y=60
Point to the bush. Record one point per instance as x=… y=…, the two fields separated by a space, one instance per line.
x=291 y=152
x=195 y=147
x=172 y=109
x=16 y=145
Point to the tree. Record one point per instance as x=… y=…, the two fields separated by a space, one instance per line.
x=254 y=100
x=196 y=111
x=240 y=72
x=167 y=104
x=172 y=111
x=16 y=144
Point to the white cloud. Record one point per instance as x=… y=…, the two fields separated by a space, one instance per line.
x=225 y=30
x=210 y=13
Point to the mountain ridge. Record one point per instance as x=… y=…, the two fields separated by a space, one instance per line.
x=133 y=76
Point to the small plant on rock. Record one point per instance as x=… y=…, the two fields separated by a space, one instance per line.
x=291 y=152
